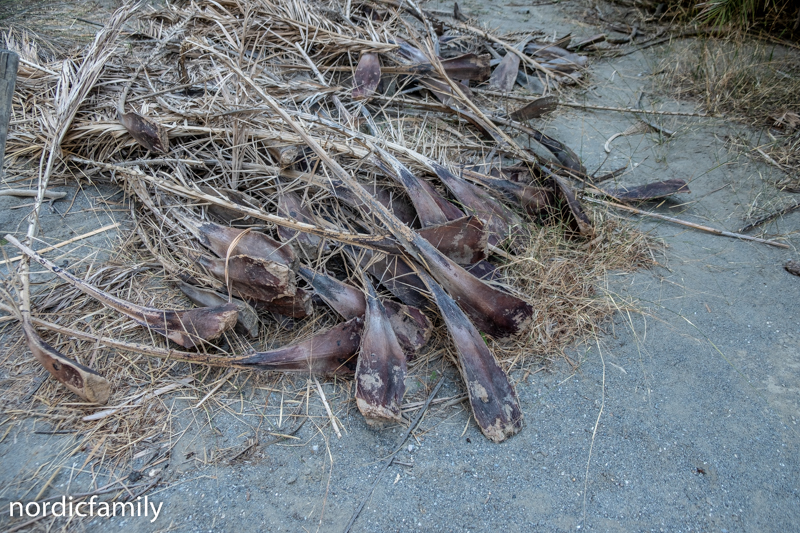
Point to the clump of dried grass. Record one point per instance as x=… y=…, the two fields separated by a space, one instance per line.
x=565 y=281
x=752 y=82
x=749 y=81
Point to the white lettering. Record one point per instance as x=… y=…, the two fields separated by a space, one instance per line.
x=28 y=507
x=155 y=511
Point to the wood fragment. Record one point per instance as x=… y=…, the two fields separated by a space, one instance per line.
x=327 y=408
x=284 y=155
x=589 y=41
x=31 y=193
x=9 y=63
x=690 y=224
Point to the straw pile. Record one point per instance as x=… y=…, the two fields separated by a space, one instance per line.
x=331 y=183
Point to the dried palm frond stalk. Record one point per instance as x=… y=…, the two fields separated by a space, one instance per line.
x=278 y=176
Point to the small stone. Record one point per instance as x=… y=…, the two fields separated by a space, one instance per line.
x=291 y=479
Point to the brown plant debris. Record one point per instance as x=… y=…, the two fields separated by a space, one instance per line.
x=334 y=213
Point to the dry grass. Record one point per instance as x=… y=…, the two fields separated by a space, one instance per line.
x=752 y=82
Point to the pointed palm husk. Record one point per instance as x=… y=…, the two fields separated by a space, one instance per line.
x=80 y=379
x=367 y=76
x=345 y=299
x=465 y=240
x=536 y=108
x=505 y=74
x=501 y=222
x=187 y=328
x=266 y=284
x=146 y=132
x=570 y=208
x=563 y=153
x=650 y=191
x=330 y=352
x=246 y=320
x=411 y=326
x=254 y=244
x=534 y=199
x=381 y=366
x=394 y=273
x=492 y=397
x=431 y=208
x=291 y=205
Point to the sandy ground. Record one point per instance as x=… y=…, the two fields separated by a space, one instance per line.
x=682 y=418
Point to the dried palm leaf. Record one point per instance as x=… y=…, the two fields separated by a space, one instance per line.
x=188 y=328
x=381 y=366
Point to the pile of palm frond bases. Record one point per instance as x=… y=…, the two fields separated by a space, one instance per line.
x=305 y=159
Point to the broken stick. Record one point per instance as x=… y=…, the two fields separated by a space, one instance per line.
x=690 y=224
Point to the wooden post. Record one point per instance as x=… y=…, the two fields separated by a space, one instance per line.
x=8 y=77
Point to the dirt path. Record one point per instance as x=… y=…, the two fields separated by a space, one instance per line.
x=683 y=418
